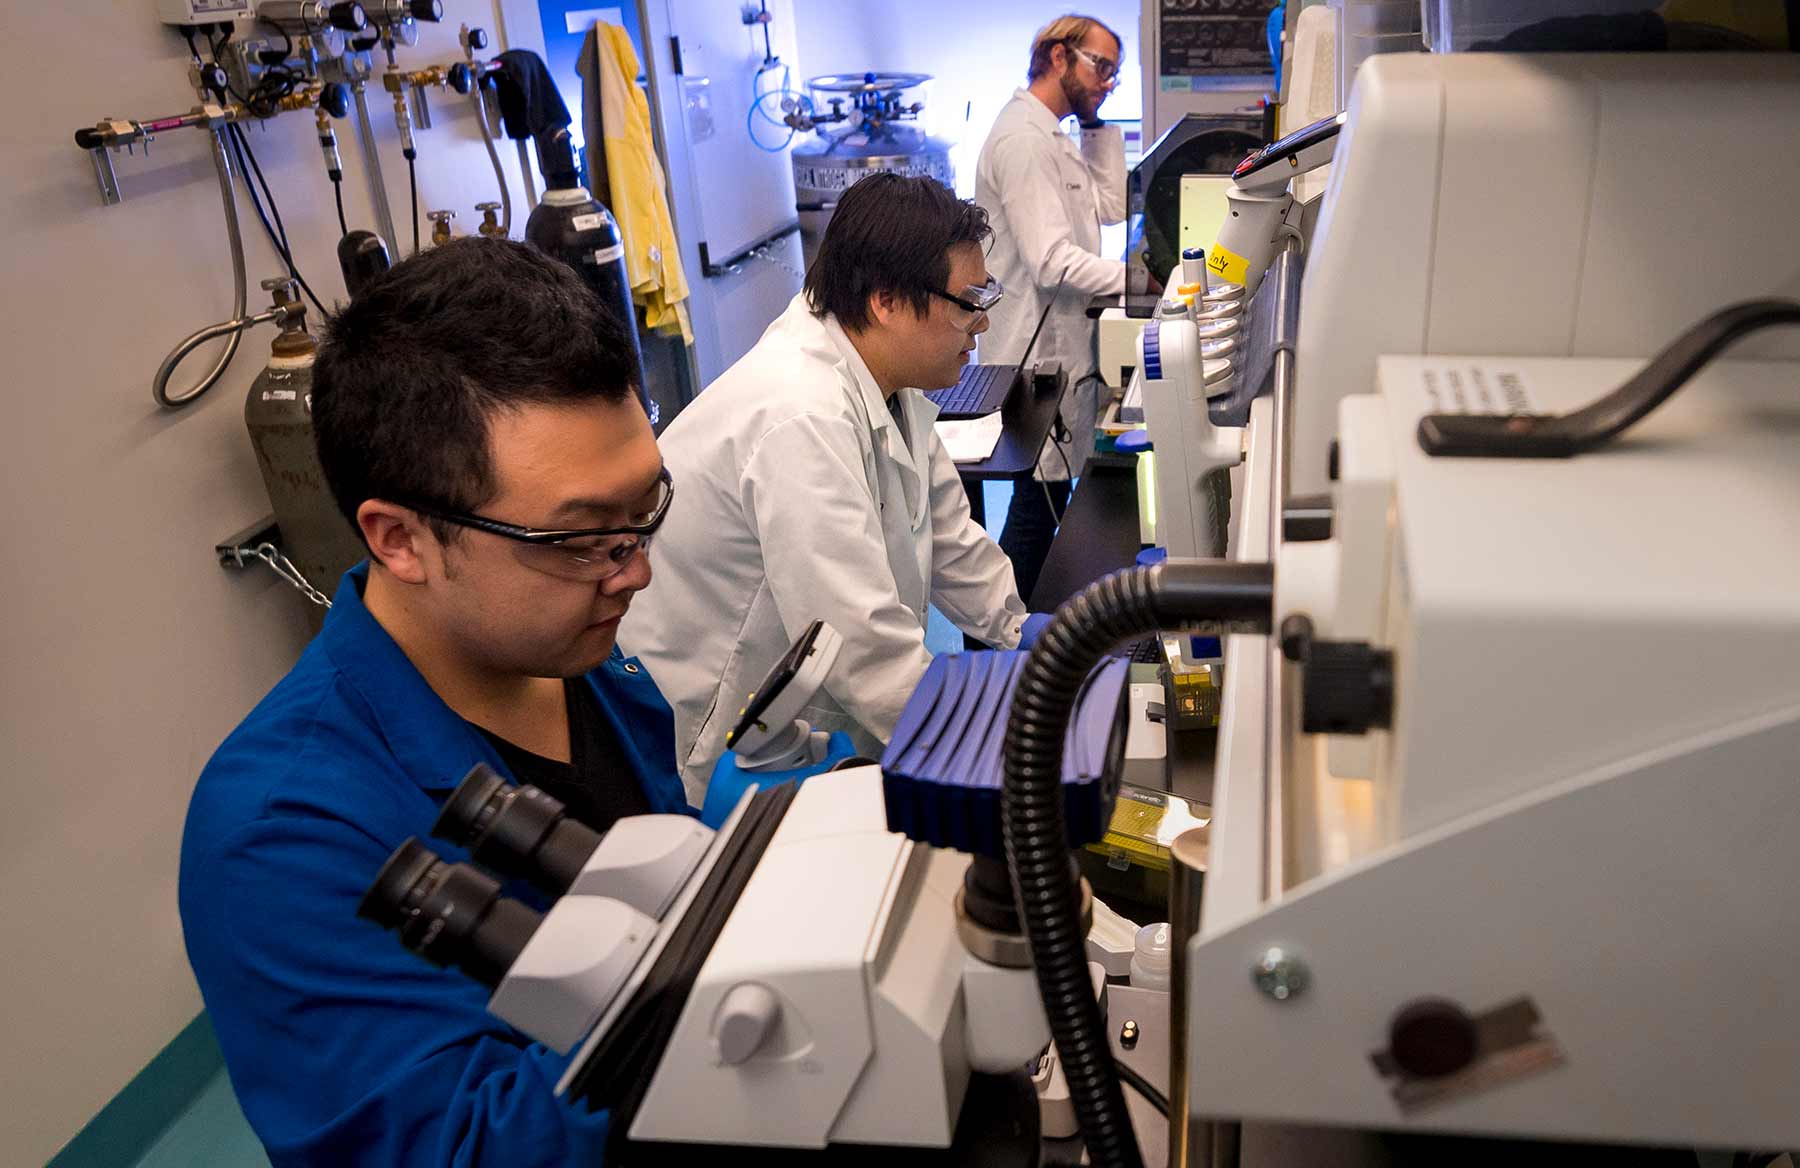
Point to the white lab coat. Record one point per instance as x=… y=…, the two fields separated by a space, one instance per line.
x=796 y=499
x=1046 y=199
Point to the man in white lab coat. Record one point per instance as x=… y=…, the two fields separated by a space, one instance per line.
x=813 y=486
x=1046 y=198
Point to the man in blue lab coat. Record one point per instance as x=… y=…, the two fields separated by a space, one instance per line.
x=477 y=424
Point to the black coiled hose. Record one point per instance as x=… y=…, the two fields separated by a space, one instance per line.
x=1211 y=596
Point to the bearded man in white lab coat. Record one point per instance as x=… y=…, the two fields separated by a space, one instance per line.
x=813 y=486
x=1046 y=198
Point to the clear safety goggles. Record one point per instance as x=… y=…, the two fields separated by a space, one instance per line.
x=976 y=298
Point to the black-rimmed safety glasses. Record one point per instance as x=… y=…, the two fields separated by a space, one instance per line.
x=575 y=553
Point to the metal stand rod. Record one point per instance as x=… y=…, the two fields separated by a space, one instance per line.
x=531 y=196
x=365 y=133
x=1187 y=875
x=1281 y=697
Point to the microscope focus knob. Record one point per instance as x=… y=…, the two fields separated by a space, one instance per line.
x=1432 y=1037
x=746 y=1017
x=1347 y=687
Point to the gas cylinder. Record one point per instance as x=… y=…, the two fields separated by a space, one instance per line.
x=571 y=225
x=278 y=413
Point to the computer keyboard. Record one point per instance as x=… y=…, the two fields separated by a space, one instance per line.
x=981 y=389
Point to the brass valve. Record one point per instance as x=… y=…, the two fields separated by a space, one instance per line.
x=490 y=220
x=397 y=81
x=440 y=226
x=302 y=99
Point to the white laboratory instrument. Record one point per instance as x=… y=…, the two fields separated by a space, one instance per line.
x=1557 y=205
x=1502 y=837
x=770 y=735
x=1264 y=211
x=1175 y=379
x=804 y=970
x=833 y=1006
x=1548 y=890
x=827 y=969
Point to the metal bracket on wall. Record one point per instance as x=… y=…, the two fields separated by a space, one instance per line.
x=735 y=264
x=260 y=543
x=239 y=550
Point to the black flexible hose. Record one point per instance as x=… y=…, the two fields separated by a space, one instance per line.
x=1143 y=1087
x=247 y=166
x=1211 y=596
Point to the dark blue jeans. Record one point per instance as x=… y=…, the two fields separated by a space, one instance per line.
x=1030 y=527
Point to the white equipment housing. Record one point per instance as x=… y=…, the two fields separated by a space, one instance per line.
x=1587 y=800
x=1174 y=381
x=852 y=928
x=1559 y=205
x=1584 y=808
x=193 y=12
x=838 y=1005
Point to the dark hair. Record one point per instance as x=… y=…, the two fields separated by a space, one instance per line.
x=410 y=372
x=889 y=233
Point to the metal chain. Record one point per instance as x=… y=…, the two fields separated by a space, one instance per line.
x=279 y=564
x=766 y=253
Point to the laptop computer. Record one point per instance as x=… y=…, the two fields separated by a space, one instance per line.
x=982 y=389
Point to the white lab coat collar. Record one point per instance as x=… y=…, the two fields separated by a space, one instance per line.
x=911 y=452
x=1040 y=114
x=869 y=395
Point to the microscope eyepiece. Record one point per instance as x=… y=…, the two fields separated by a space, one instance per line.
x=449 y=914
x=516 y=830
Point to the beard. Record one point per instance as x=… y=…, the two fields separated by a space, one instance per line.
x=1084 y=101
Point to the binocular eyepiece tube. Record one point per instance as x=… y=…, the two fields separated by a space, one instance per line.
x=449 y=914
x=517 y=831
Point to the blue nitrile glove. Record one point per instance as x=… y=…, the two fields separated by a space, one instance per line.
x=1035 y=623
x=728 y=783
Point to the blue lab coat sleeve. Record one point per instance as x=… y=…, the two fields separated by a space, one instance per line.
x=344 y=1048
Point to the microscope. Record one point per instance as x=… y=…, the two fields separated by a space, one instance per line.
x=840 y=967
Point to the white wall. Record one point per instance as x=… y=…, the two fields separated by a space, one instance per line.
x=127 y=653
x=978 y=53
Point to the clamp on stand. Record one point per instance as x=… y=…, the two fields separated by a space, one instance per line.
x=770 y=735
